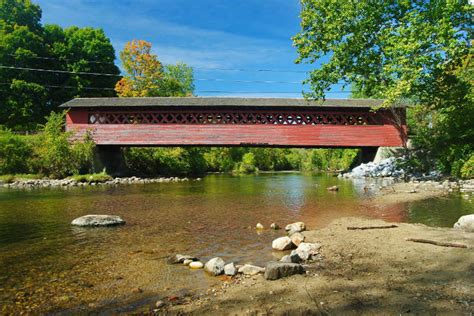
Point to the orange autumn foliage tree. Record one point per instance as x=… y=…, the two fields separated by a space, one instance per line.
x=147 y=77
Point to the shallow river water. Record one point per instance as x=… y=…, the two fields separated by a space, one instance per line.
x=47 y=265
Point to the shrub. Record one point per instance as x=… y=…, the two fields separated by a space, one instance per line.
x=58 y=157
x=467 y=170
x=93 y=177
x=247 y=165
x=14 y=153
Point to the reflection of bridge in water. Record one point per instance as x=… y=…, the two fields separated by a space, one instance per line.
x=212 y=121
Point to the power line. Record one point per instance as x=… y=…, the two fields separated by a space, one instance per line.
x=66 y=87
x=201 y=91
x=114 y=75
x=61 y=71
x=195 y=67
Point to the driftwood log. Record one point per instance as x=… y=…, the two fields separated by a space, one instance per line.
x=371 y=227
x=437 y=243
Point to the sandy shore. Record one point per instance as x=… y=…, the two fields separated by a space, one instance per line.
x=370 y=272
x=363 y=272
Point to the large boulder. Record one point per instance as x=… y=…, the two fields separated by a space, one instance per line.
x=278 y=270
x=283 y=243
x=98 y=221
x=215 y=266
x=465 y=223
x=295 y=227
x=249 y=269
x=307 y=251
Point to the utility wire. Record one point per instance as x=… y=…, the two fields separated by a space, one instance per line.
x=114 y=75
x=201 y=91
x=197 y=67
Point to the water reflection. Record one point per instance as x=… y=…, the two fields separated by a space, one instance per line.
x=47 y=265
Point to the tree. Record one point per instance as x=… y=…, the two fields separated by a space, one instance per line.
x=27 y=95
x=398 y=50
x=147 y=77
x=389 y=49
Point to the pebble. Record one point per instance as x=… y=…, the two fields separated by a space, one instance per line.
x=274 y=226
x=196 y=265
x=259 y=226
x=160 y=304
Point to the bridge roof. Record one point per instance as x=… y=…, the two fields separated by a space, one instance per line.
x=217 y=102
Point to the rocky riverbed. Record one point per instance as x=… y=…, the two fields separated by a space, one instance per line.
x=68 y=182
x=368 y=271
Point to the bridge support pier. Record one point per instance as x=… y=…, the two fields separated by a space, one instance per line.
x=110 y=159
x=367 y=154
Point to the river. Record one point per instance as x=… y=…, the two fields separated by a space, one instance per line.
x=47 y=265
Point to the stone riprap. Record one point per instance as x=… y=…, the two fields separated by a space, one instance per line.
x=67 y=183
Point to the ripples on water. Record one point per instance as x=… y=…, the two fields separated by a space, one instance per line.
x=48 y=265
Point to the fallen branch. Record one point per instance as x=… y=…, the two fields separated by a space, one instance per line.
x=437 y=243
x=371 y=227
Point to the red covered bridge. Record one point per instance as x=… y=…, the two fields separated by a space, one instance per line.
x=216 y=121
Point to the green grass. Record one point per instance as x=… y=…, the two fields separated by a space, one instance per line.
x=9 y=178
x=92 y=177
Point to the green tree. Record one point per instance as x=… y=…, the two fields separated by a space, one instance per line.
x=411 y=50
x=27 y=96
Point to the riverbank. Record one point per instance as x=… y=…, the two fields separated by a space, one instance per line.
x=420 y=190
x=71 y=182
x=373 y=271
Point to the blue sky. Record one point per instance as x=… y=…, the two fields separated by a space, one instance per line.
x=206 y=34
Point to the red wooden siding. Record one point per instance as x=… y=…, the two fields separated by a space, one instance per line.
x=233 y=135
x=322 y=128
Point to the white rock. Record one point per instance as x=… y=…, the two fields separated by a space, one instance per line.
x=283 y=243
x=215 y=266
x=259 y=226
x=297 y=238
x=465 y=223
x=98 y=220
x=230 y=269
x=295 y=227
x=186 y=262
x=249 y=269
x=307 y=251
x=196 y=265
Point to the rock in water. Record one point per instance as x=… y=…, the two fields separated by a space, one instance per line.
x=297 y=238
x=307 y=251
x=215 y=266
x=274 y=226
x=465 y=223
x=249 y=269
x=196 y=265
x=333 y=188
x=294 y=258
x=283 y=243
x=229 y=269
x=295 y=227
x=180 y=259
x=278 y=270
x=98 y=221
